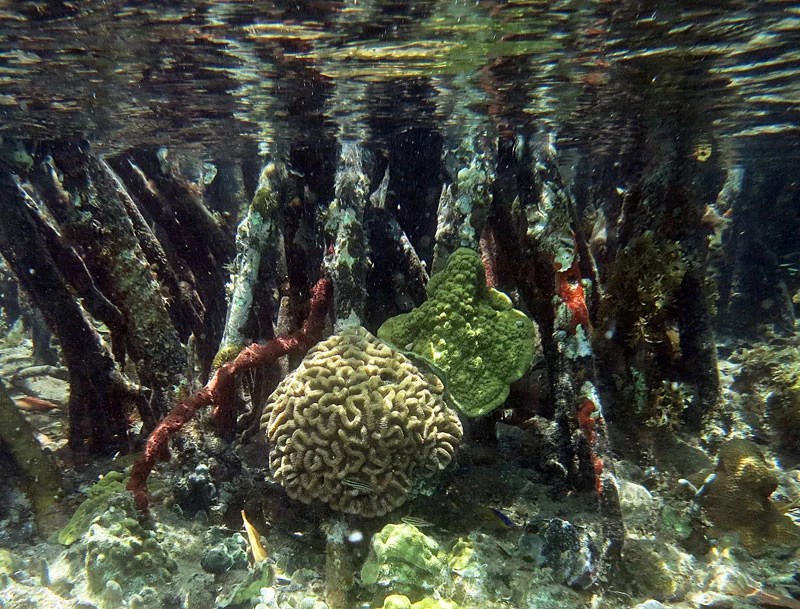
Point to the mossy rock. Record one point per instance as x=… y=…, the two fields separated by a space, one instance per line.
x=398 y=601
x=404 y=560
x=470 y=334
x=98 y=498
x=119 y=549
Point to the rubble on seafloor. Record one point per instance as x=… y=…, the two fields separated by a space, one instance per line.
x=491 y=535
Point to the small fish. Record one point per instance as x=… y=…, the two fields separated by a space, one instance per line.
x=30 y=403
x=259 y=553
x=360 y=486
x=766 y=599
x=495 y=519
x=415 y=521
x=503 y=518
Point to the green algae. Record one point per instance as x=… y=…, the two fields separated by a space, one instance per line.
x=119 y=556
x=42 y=479
x=249 y=589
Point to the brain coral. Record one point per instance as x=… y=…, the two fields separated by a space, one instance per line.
x=738 y=499
x=356 y=424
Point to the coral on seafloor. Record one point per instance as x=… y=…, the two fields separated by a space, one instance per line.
x=398 y=601
x=119 y=549
x=469 y=333
x=357 y=425
x=223 y=551
x=738 y=499
x=120 y=559
x=404 y=560
x=99 y=496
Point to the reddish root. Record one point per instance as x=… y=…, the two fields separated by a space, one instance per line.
x=587 y=422
x=488 y=247
x=220 y=389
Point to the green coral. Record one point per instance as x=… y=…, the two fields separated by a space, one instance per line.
x=98 y=498
x=398 y=601
x=121 y=550
x=118 y=556
x=248 y=590
x=468 y=333
x=404 y=560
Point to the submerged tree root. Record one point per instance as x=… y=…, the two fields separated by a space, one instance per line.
x=220 y=389
x=42 y=478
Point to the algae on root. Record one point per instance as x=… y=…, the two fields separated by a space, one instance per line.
x=42 y=479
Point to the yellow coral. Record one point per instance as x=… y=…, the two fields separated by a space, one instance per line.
x=357 y=424
x=738 y=499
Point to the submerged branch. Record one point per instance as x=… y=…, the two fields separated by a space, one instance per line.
x=219 y=390
x=97 y=405
x=42 y=478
